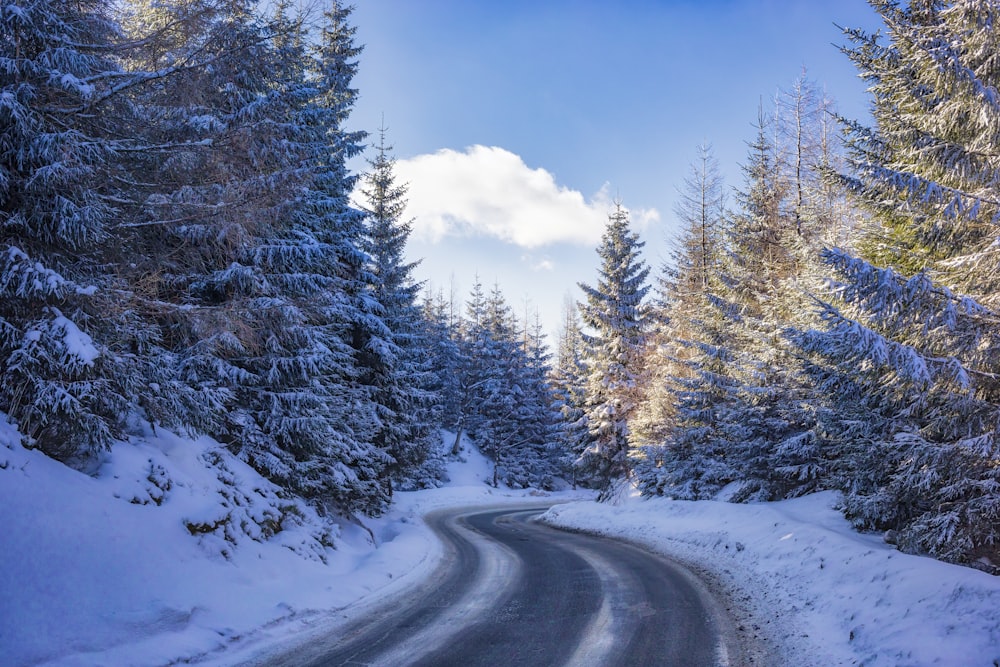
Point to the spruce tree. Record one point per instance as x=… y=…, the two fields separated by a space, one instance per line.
x=340 y=313
x=397 y=370
x=442 y=336
x=204 y=198
x=741 y=409
x=682 y=290
x=473 y=369
x=501 y=391
x=301 y=370
x=67 y=375
x=541 y=457
x=679 y=424
x=253 y=248
x=615 y=317
x=911 y=323
x=768 y=429
x=568 y=381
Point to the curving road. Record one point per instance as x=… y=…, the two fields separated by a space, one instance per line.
x=515 y=592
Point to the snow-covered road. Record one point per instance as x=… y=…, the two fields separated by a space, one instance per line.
x=514 y=592
x=810 y=589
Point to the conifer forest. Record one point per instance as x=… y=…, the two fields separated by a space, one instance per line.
x=185 y=246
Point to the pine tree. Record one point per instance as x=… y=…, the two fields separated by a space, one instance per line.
x=678 y=425
x=473 y=369
x=500 y=388
x=442 y=334
x=741 y=409
x=681 y=293
x=303 y=372
x=615 y=316
x=541 y=458
x=352 y=467
x=204 y=198
x=769 y=429
x=256 y=251
x=911 y=324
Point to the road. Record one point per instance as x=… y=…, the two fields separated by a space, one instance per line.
x=512 y=591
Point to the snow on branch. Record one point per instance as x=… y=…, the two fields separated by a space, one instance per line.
x=951 y=203
x=888 y=296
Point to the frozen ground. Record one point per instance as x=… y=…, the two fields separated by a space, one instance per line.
x=157 y=558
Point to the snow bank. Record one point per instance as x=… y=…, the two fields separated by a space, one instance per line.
x=812 y=590
x=173 y=547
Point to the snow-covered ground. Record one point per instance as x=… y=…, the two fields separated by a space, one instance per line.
x=157 y=558
x=810 y=588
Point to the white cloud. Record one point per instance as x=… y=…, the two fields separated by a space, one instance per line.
x=491 y=192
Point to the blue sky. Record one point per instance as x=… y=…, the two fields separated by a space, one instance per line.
x=517 y=122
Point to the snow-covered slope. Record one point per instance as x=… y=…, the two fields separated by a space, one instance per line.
x=158 y=554
x=174 y=551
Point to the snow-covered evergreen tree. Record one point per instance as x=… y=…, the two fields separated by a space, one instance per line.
x=441 y=332
x=569 y=386
x=255 y=249
x=397 y=370
x=742 y=410
x=499 y=389
x=66 y=373
x=203 y=197
x=301 y=359
x=681 y=292
x=341 y=313
x=506 y=403
x=542 y=457
x=473 y=369
x=768 y=429
x=911 y=321
x=678 y=425
x=615 y=318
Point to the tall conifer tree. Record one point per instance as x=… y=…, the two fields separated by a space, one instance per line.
x=685 y=404
x=66 y=373
x=569 y=386
x=615 y=317
x=397 y=370
x=910 y=344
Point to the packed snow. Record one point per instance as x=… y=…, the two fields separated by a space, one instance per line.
x=157 y=557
